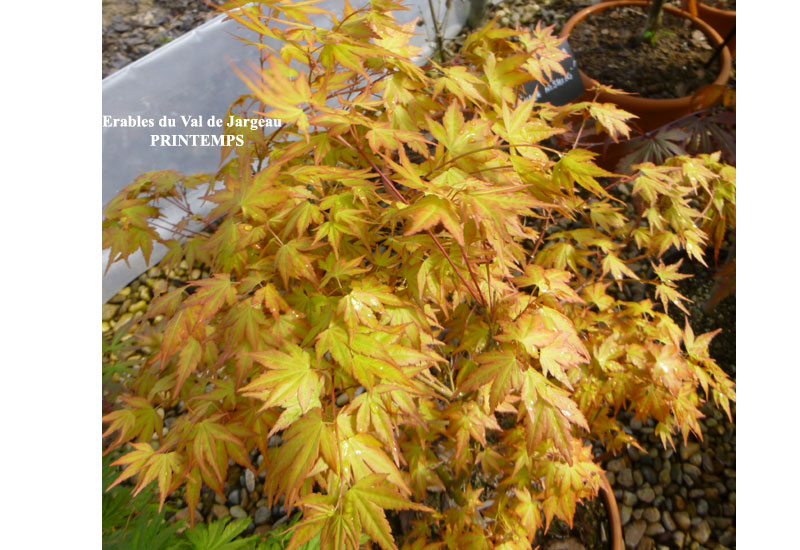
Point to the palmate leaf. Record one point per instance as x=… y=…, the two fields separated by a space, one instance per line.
x=612 y=119
x=292 y=461
x=340 y=521
x=289 y=381
x=207 y=453
x=220 y=535
x=501 y=369
x=549 y=414
x=138 y=421
x=430 y=211
x=369 y=498
x=577 y=166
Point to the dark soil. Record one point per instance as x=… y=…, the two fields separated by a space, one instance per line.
x=609 y=48
x=729 y=5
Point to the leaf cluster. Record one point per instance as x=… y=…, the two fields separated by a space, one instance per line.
x=419 y=294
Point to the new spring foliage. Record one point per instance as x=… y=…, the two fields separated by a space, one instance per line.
x=417 y=291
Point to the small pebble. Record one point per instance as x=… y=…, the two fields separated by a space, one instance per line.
x=634 y=532
x=262 y=515
x=250 y=480
x=646 y=494
x=238 y=512
x=701 y=532
x=651 y=514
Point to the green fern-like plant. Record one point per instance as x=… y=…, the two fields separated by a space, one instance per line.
x=220 y=535
x=134 y=522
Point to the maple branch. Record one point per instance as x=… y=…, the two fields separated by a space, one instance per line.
x=390 y=188
x=489 y=147
x=541 y=236
x=437 y=31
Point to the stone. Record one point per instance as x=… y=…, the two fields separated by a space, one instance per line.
x=637 y=513
x=249 y=480
x=570 y=543
x=723 y=523
x=701 y=532
x=109 y=310
x=676 y=474
x=702 y=507
x=689 y=450
x=682 y=519
x=708 y=464
x=612 y=478
x=650 y=475
x=182 y=515
x=262 y=515
x=233 y=496
x=124 y=319
x=691 y=470
x=646 y=494
x=219 y=511
x=625 y=514
x=141 y=305
x=638 y=479
x=679 y=538
x=651 y=514
x=655 y=530
x=634 y=532
x=696 y=459
x=680 y=503
x=615 y=465
x=238 y=512
x=663 y=477
x=646 y=544
x=728 y=537
x=625 y=477
x=667 y=521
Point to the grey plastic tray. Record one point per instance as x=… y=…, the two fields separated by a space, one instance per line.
x=193 y=76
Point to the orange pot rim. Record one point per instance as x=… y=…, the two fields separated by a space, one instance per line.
x=612 y=511
x=645 y=103
x=716 y=11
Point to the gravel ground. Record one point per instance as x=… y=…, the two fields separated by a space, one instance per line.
x=669 y=499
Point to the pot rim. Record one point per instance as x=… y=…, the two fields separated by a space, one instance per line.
x=646 y=102
x=612 y=511
x=716 y=11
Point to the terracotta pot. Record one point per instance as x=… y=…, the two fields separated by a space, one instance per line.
x=610 y=503
x=723 y=21
x=652 y=113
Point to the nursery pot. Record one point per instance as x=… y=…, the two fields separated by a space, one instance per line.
x=610 y=503
x=652 y=113
x=721 y=20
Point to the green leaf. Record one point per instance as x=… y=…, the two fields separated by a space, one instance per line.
x=220 y=535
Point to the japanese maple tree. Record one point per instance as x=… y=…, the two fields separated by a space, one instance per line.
x=425 y=298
